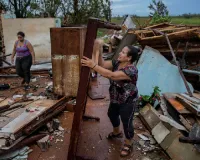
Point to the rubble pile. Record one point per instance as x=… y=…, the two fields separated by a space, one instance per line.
x=177 y=132
x=20 y=116
x=185 y=41
x=173 y=123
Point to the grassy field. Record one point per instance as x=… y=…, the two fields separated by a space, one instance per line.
x=175 y=20
x=187 y=21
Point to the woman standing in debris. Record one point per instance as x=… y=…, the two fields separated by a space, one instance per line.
x=123 y=92
x=25 y=57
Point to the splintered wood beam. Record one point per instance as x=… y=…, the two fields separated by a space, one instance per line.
x=183 y=33
x=81 y=99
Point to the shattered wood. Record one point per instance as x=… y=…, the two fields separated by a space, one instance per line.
x=16 y=129
x=177 y=34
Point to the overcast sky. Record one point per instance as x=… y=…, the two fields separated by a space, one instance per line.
x=140 y=7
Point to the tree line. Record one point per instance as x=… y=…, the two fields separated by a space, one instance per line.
x=189 y=15
x=77 y=11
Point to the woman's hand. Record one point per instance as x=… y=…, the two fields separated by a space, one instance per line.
x=87 y=62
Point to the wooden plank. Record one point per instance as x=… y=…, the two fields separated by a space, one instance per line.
x=189 y=106
x=172 y=35
x=160 y=25
x=93 y=25
x=22 y=120
x=67 y=41
x=5 y=102
x=149 y=32
x=179 y=107
x=192 y=99
x=18 y=123
x=197 y=106
x=82 y=90
x=197 y=95
x=185 y=123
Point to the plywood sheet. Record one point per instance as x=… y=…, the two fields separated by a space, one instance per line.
x=37 y=107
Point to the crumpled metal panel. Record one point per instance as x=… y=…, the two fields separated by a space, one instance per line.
x=155 y=70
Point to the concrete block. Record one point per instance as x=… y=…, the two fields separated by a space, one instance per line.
x=55 y=124
x=160 y=132
x=174 y=133
x=44 y=143
x=150 y=116
x=182 y=151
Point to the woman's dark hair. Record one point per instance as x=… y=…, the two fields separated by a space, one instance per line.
x=21 y=34
x=133 y=53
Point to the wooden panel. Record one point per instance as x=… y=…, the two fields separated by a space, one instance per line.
x=67 y=46
x=178 y=106
x=67 y=41
x=27 y=117
x=21 y=121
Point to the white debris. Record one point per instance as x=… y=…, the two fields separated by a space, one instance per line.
x=143 y=137
x=60 y=128
x=21 y=154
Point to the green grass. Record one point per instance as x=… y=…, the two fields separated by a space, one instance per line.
x=187 y=21
x=174 y=20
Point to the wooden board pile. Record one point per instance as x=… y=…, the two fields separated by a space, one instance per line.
x=21 y=118
x=175 y=125
x=183 y=39
x=187 y=108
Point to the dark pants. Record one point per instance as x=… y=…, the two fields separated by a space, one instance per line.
x=126 y=112
x=23 y=66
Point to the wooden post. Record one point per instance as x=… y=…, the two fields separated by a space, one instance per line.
x=81 y=99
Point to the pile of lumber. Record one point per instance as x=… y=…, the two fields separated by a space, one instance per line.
x=176 y=127
x=21 y=118
x=183 y=39
x=185 y=109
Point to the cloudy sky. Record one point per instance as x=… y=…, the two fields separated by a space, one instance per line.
x=140 y=7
